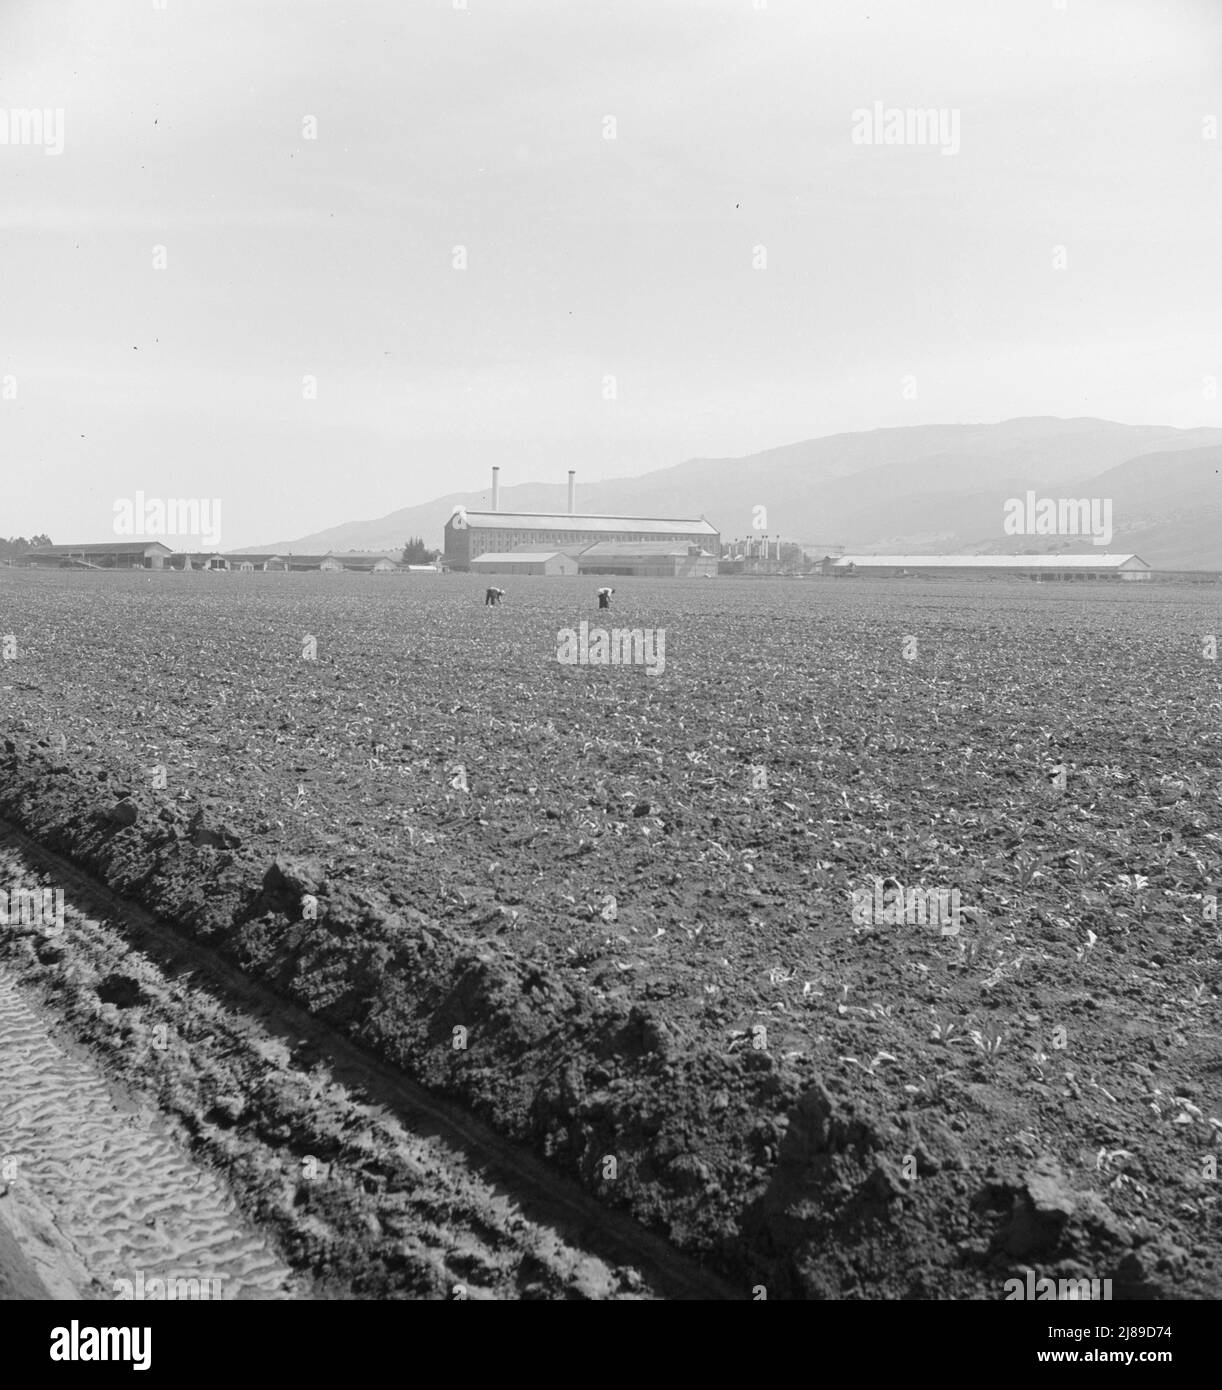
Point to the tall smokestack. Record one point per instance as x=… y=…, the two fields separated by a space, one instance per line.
x=496 y=488
x=572 y=491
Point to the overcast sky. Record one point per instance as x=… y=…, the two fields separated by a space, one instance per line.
x=903 y=284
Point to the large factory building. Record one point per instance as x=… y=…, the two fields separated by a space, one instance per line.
x=468 y=534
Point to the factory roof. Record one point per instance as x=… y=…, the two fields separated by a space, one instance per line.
x=569 y=521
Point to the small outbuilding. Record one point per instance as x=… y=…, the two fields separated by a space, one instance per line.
x=104 y=555
x=246 y=563
x=198 y=560
x=301 y=562
x=525 y=562
x=361 y=562
x=648 y=559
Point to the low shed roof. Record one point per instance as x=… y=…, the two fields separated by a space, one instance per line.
x=1048 y=562
x=101 y=548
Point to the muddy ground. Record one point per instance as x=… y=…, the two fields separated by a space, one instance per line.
x=609 y=914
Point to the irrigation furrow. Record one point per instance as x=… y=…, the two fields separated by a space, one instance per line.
x=362 y=1183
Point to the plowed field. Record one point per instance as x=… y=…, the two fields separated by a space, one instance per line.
x=611 y=912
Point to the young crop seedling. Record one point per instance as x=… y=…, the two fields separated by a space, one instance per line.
x=989 y=1039
x=1079 y=863
x=944 y=1032
x=869 y=1068
x=1027 y=868
x=1091 y=938
x=971 y=954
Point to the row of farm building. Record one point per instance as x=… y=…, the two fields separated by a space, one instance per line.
x=673 y=558
x=138 y=555
x=471 y=548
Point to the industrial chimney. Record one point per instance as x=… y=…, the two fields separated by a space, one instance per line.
x=496 y=488
x=572 y=491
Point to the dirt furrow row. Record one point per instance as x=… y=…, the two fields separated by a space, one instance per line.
x=366 y=1186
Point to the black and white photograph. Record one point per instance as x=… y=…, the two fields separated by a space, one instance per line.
x=609 y=664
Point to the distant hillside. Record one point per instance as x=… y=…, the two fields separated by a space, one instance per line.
x=1168 y=507
x=921 y=487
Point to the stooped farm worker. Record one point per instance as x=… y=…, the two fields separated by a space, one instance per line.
x=604 y=597
x=493 y=596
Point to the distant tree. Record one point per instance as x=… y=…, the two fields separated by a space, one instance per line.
x=415 y=552
x=18 y=545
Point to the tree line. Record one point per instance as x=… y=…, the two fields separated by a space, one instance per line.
x=18 y=545
x=415 y=552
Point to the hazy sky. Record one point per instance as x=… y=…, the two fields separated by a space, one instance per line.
x=902 y=284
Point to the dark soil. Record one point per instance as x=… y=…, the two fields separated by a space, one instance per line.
x=625 y=948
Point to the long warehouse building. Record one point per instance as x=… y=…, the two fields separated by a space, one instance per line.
x=1038 y=567
x=470 y=534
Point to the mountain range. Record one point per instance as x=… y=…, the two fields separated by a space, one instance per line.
x=914 y=489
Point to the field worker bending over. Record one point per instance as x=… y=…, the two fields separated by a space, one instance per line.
x=604 y=597
x=493 y=597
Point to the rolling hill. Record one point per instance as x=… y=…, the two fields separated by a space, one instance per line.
x=933 y=488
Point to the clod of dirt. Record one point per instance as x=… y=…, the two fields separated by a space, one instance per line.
x=122 y=813
x=121 y=991
x=220 y=837
x=1046 y=1218
x=295 y=877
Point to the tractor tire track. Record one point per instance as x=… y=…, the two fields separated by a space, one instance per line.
x=105 y=1185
